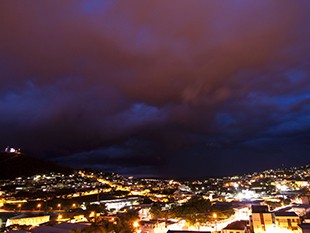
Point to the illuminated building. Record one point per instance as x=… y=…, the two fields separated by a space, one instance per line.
x=153 y=226
x=145 y=212
x=27 y=220
x=287 y=220
x=12 y=150
x=117 y=204
x=1 y=203
x=261 y=219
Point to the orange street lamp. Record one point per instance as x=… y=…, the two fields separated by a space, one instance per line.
x=73 y=205
x=39 y=206
x=59 y=217
x=59 y=206
x=136 y=224
x=92 y=214
x=215 y=221
x=19 y=206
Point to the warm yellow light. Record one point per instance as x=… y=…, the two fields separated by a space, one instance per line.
x=59 y=217
x=39 y=205
x=136 y=224
x=58 y=205
x=214 y=215
x=73 y=205
x=92 y=214
x=19 y=205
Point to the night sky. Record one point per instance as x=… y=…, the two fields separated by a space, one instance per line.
x=166 y=88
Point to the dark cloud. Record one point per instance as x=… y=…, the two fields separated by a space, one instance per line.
x=165 y=88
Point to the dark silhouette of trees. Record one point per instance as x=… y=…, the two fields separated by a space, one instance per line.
x=122 y=223
x=196 y=211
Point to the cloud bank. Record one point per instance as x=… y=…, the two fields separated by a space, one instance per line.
x=157 y=88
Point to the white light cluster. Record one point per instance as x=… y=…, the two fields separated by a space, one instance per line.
x=282 y=188
x=247 y=195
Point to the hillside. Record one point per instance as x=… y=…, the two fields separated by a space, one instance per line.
x=17 y=164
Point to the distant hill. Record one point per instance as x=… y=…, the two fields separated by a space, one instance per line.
x=18 y=164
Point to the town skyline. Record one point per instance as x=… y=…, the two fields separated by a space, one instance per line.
x=275 y=200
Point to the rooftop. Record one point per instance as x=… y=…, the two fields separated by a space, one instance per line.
x=260 y=209
x=282 y=214
x=238 y=225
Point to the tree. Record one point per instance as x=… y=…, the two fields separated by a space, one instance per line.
x=123 y=223
x=157 y=212
x=195 y=211
x=97 y=208
x=91 y=229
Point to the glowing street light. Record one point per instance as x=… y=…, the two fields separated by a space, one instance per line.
x=136 y=224
x=215 y=220
x=19 y=206
x=73 y=205
x=39 y=206
x=59 y=206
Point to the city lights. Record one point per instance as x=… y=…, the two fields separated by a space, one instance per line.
x=155 y=116
x=136 y=224
x=168 y=196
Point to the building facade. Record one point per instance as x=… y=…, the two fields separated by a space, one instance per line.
x=287 y=220
x=29 y=221
x=261 y=219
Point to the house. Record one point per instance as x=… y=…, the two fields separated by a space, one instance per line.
x=287 y=220
x=236 y=227
x=261 y=219
x=25 y=219
x=152 y=226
